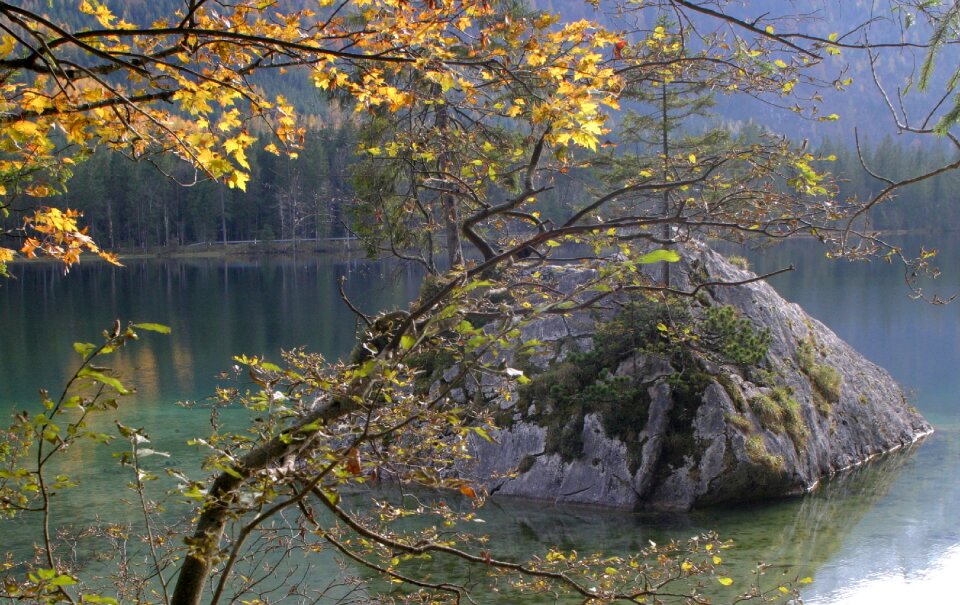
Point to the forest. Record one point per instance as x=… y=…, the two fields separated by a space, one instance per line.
x=131 y=205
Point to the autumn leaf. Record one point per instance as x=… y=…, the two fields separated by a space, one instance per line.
x=353 y=465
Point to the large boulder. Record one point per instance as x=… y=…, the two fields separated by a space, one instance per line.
x=644 y=427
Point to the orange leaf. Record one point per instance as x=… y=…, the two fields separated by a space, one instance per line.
x=30 y=246
x=353 y=461
x=618 y=49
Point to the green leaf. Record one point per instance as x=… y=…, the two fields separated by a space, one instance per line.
x=477 y=341
x=91 y=598
x=332 y=496
x=51 y=433
x=63 y=580
x=270 y=367
x=84 y=348
x=407 y=342
x=482 y=433
x=194 y=493
x=162 y=329
x=657 y=256
x=483 y=283
x=102 y=378
x=229 y=470
x=73 y=402
x=364 y=370
x=310 y=427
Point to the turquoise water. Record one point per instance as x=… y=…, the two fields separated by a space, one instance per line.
x=906 y=546
x=888 y=526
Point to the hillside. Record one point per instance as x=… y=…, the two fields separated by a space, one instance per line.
x=853 y=21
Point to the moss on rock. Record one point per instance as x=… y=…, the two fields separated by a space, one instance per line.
x=772 y=467
x=780 y=413
x=825 y=381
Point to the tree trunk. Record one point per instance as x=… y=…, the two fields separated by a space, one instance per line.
x=665 y=231
x=448 y=201
x=113 y=242
x=166 y=224
x=205 y=542
x=223 y=217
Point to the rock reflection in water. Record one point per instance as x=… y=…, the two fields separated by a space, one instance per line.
x=795 y=537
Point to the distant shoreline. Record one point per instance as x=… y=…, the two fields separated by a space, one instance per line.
x=266 y=248
x=221 y=250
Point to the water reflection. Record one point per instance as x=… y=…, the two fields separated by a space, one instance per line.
x=894 y=518
x=937 y=584
x=216 y=309
x=794 y=538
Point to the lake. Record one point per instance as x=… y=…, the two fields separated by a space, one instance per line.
x=887 y=529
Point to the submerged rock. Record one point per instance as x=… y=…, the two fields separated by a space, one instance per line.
x=610 y=420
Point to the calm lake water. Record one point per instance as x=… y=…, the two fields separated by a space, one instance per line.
x=884 y=532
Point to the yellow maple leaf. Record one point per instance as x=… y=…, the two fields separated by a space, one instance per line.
x=238 y=180
x=25 y=129
x=36 y=103
x=7 y=45
x=229 y=120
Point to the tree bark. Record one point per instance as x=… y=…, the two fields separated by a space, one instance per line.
x=665 y=233
x=205 y=542
x=448 y=201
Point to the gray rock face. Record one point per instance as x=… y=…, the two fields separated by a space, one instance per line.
x=823 y=420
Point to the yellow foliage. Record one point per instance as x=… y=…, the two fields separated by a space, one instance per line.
x=191 y=93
